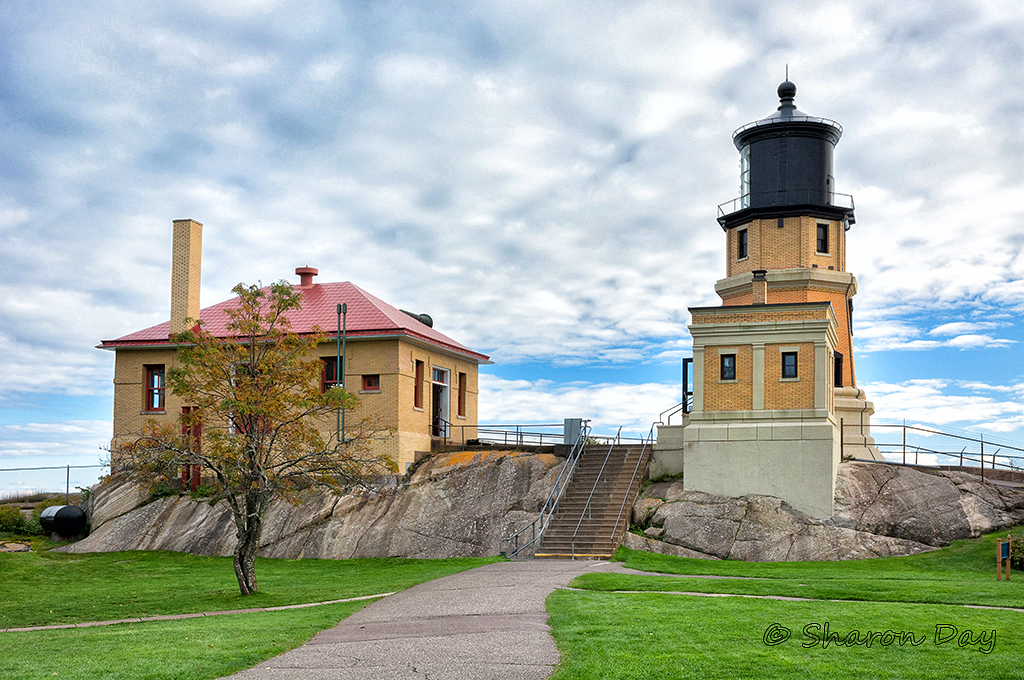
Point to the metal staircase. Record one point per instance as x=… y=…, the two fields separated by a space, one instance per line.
x=595 y=511
x=589 y=509
x=523 y=544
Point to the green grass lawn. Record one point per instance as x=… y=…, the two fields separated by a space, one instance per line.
x=44 y=588
x=606 y=634
x=601 y=633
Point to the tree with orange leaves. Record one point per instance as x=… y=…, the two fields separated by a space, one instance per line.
x=266 y=424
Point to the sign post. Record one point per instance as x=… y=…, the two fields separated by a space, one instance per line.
x=1003 y=557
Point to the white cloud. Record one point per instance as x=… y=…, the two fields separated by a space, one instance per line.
x=52 y=446
x=608 y=406
x=968 y=341
x=958 y=327
x=942 y=403
x=542 y=180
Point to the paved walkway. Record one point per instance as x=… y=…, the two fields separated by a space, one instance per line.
x=485 y=623
x=194 y=615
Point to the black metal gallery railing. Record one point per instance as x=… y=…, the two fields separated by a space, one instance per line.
x=769 y=199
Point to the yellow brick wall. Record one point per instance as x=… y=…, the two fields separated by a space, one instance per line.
x=415 y=424
x=729 y=396
x=392 y=359
x=790 y=247
x=759 y=316
x=779 y=394
x=129 y=393
x=378 y=357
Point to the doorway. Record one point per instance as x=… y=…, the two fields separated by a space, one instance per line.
x=439 y=403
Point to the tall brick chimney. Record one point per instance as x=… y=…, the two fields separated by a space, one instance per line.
x=186 y=261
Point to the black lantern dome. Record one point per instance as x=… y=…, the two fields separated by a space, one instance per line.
x=786 y=167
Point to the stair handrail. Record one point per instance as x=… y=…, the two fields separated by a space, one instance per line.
x=547 y=512
x=591 y=496
x=650 y=439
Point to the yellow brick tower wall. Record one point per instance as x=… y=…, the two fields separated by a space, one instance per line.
x=780 y=393
x=792 y=246
x=839 y=302
x=734 y=395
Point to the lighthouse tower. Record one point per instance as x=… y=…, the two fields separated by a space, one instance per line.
x=786 y=233
x=774 y=384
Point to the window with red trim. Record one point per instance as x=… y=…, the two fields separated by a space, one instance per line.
x=155 y=388
x=462 y=394
x=329 y=374
x=417 y=395
x=371 y=383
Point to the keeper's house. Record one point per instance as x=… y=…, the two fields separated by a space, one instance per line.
x=417 y=380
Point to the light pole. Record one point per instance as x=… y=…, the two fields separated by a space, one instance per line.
x=339 y=368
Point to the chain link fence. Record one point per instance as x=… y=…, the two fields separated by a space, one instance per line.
x=23 y=481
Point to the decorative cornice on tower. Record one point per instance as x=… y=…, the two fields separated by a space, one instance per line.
x=840 y=282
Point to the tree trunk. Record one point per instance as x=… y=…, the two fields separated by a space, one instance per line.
x=248 y=530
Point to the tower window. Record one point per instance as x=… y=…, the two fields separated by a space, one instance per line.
x=789 y=365
x=741 y=244
x=728 y=365
x=822 y=238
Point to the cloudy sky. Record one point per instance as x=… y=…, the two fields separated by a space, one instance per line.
x=541 y=177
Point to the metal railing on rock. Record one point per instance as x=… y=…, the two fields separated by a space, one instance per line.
x=530 y=535
x=48 y=479
x=920 y=445
x=532 y=434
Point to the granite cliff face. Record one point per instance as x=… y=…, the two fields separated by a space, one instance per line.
x=928 y=508
x=463 y=504
x=880 y=510
x=458 y=504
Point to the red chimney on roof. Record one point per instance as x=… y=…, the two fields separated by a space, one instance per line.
x=306 y=275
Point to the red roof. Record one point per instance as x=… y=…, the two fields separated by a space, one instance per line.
x=366 y=316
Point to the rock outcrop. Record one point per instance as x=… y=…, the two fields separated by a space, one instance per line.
x=933 y=508
x=458 y=504
x=463 y=504
x=881 y=510
x=752 y=528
